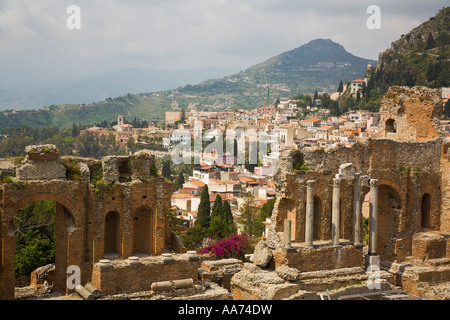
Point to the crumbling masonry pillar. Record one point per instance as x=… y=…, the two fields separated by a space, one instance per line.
x=309 y=227
x=373 y=220
x=357 y=212
x=335 y=213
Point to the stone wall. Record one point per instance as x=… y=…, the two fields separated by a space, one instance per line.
x=114 y=203
x=445 y=185
x=128 y=276
x=320 y=258
x=408 y=172
x=410 y=114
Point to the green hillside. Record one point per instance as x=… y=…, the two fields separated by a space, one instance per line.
x=418 y=58
x=316 y=66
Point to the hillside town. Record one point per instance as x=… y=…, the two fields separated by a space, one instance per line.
x=288 y=125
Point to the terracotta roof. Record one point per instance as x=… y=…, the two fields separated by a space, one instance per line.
x=216 y=180
x=197 y=182
x=312 y=120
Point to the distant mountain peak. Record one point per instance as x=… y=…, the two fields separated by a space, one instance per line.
x=319 y=64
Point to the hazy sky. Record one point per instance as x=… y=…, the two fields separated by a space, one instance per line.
x=35 y=42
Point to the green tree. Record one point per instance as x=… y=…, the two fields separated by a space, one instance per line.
x=75 y=130
x=430 y=41
x=131 y=145
x=204 y=209
x=316 y=95
x=33 y=251
x=248 y=214
x=228 y=217
x=166 y=170
x=34 y=227
x=193 y=237
x=447 y=110
x=179 y=182
x=183 y=115
x=341 y=87
x=264 y=212
x=217 y=209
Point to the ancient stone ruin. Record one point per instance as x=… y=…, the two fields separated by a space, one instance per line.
x=314 y=239
x=111 y=220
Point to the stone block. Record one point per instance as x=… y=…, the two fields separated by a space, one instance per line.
x=262 y=255
x=42 y=162
x=427 y=245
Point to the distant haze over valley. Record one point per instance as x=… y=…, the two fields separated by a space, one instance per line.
x=318 y=65
x=99 y=87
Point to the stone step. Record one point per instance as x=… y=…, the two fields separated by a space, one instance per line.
x=438 y=262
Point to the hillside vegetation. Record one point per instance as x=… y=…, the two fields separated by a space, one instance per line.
x=316 y=66
x=418 y=58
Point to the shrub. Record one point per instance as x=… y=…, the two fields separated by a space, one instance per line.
x=235 y=246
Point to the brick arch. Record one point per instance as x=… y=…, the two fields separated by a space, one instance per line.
x=287 y=210
x=69 y=204
x=390 y=208
x=69 y=238
x=425 y=211
x=317 y=222
x=112 y=233
x=143 y=231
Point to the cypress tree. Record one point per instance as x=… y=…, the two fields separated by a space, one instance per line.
x=217 y=210
x=166 y=170
x=179 y=182
x=430 y=41
x=204 y=209
x=228 y=216
x=341 y=87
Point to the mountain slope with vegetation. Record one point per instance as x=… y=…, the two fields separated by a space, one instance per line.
x=419 y=58
x=316 y=66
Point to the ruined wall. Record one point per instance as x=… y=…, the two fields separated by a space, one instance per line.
x=86 y=191
x=445 y=185
x=320 y=258
x=412 y=194
x=127 y=276
x=410 y=114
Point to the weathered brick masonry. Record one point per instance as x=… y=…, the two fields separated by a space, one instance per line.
x=122 y=215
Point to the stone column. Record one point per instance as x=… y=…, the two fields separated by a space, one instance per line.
x=335 y=213
x=287 y=234
x=357 y=212
x=373 y=220
x=309 y=227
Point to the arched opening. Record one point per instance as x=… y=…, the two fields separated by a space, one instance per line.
x=112 y=235
x=286 y=210
x=34 y=231
x=391 y=126
x=298 y=161
x=142 y=232
x=425 y=219
x=317 y=231
x=389 y=208
x=41 y=231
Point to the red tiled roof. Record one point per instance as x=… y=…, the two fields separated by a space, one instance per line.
x=215 y=180
x=198 y=182
x=313 y=120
